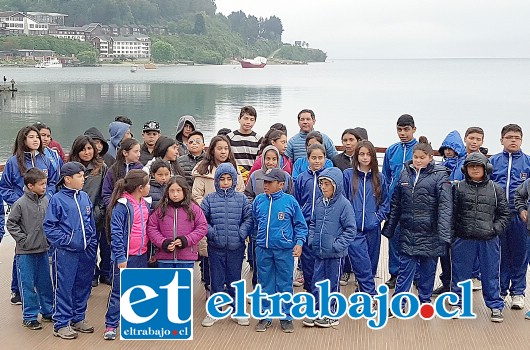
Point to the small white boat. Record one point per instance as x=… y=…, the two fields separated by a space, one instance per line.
x=134 y=69
x=49 y=62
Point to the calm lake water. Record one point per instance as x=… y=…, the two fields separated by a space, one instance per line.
x=441 y=94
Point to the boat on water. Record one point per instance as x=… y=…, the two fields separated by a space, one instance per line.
x=49 y=62
x=133 y=69
x=257 y=62
x=150 y=65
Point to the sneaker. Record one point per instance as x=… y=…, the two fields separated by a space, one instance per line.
x=298 y=280
x=477 y=284
x=16 y=299
x=527 y=315
x=518 y=302
x=308 y=322
x=496 y=316
x=33 y=324
x=45 y=318
x=208 y=321
x=242 y=321
x=287 y=326
x=440 y=290
x=391 y=283
x=82 y=327
x=263 y=325
x=65 y=333
x=95 y=282
x=110 y=333
x=326 y=322
x=344 y=279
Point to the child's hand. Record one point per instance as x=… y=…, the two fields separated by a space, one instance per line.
x=524 y=215
x=122 y=265
x=297 y=251
x=171 y=247
x=178 y=243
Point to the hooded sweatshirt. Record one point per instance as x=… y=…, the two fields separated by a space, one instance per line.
x=204 y=184
x=116 y=130
x=183 y=149
x=95 y=134
x=255 y=182
x=453 y=141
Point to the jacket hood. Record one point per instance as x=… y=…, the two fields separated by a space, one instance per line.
x=336 y=177
x=117 y=130
x=453 y=140
x=225 y=168
x=265 y=150
x=182 y=121
x=477 y=158
x=95 y=134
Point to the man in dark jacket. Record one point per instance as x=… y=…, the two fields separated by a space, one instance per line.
x=481 y=214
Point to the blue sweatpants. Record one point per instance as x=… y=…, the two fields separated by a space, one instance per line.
x=514 y=257
x=35 y=285
x=373 y=240
x=330 y=269
x=393 y=253
x=361 y=264
x=225 y=268
x=464 y=253
x=103 y=270
x=72 y=274
x=275 y=274
x=426 y=268
x=308 y=265
x=112 y=317
x=15 y=288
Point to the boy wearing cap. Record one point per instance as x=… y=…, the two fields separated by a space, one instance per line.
x=281 y=232
x=25 y=226
x=481 y=214
x=150 y=133
x=70 y=228
x=395 y=157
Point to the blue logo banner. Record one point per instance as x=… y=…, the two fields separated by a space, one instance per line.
x=156 y=304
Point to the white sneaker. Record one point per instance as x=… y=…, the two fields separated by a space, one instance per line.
x=208 y=321
x=477 y=284
x=243 y=321
x=518 y=302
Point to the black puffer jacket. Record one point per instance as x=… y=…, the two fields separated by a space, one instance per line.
x=423 y=207
x=480 y=208
x=187 y=162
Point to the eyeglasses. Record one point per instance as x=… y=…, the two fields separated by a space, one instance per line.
x=195 y=141
x=516 y=138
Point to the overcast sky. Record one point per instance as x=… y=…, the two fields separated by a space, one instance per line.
x=400 y=29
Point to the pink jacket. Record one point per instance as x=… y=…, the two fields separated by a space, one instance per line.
x=169 y=228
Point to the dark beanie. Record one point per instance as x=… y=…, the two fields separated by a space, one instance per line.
x=405 y=120
x=361 y=133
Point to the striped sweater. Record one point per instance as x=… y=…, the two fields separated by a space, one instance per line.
x=245 y=147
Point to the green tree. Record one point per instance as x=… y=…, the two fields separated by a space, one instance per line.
x=162 y=52
x=87 y=57
x=200 y=24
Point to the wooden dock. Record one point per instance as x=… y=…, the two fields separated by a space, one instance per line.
x=476 y=334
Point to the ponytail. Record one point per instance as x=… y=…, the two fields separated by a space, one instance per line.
x=424 y=145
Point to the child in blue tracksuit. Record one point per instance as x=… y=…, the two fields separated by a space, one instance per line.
x=230 y=221
x=422 y=205
x=302 y=164
x=480 y=214
x=281 y=232
x=307 y=193
x=522 y=205
x=127 y=217
x=25 y=226
x=367 y=190
x=70 y=228
x=331 y=231
x=28 y=153
x=394 y=161
x=510 y=168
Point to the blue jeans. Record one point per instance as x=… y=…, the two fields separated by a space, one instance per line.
x=181 y=264
x=35 y=285
x=225 y=268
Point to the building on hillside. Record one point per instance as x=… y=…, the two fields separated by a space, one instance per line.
x=48 y=17
x=138 y=46
x=19 y=23
x=84 y=33
x=103 y=43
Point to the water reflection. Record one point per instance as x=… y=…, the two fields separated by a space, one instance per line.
x=69 y=109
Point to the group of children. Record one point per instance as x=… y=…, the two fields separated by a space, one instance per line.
x=168 y=203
